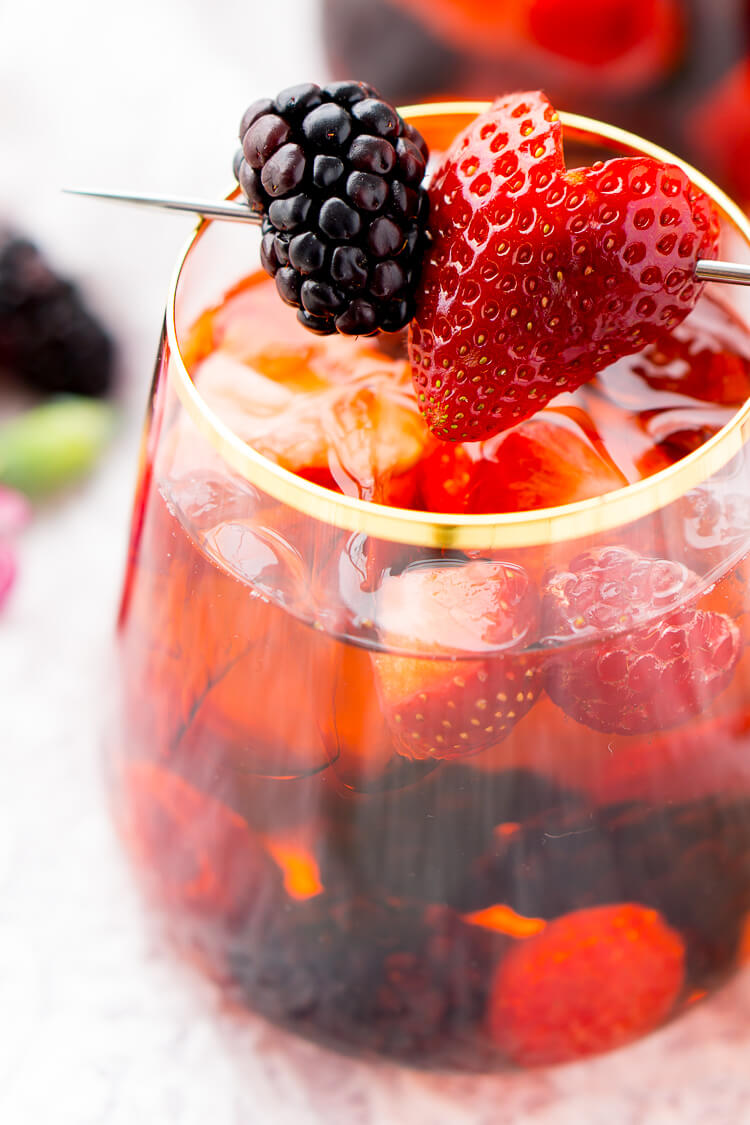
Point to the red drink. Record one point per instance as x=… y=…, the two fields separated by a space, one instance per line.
x=358 y=770
x=675 y=71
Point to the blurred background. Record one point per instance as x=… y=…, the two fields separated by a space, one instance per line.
x=98 y=1024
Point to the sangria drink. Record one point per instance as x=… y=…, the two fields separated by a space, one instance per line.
x=676 y=71
x=440 y=751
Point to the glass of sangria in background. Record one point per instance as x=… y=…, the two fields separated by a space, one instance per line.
x=375 y=781
x=675 y=71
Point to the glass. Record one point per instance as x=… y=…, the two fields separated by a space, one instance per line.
x=417 y=903
x=675 y=71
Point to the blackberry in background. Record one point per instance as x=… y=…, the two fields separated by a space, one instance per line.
x=48 y=339
x=337 y=175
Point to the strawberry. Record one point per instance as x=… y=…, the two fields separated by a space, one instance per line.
x=540 y=464
x=638 y=658
x=197 y=855
x=591 y=981
x=539 y=277
x=467 y=680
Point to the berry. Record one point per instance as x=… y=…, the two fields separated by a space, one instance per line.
x=467 y=680
x=675 y=767
x=48 y=338
x=542 y=463
x=661 y=660
x=338 y=171
x=196 y=854
x=689 y=861
x=591 y=981
x=426 y=842
x=365 y=974
x=538 y=278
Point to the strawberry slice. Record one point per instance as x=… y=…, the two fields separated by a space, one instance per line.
x=641 y=659
x=542 y=463
x=589 y=982
x=539 y=277
x=468 y=679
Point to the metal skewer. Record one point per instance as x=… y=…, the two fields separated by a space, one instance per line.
x=226 y=209
x=705 y=268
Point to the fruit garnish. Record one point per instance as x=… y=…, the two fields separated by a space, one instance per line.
x=640 y=677
x=541 y=463
x=538 y=277
x=439 y=706
x=337 y=175
x=590 y=981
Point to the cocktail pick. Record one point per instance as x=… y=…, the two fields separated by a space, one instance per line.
x=706 y=269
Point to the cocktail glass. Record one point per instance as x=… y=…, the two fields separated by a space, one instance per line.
x=410 y=905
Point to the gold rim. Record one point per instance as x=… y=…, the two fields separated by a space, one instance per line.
x=484 y=532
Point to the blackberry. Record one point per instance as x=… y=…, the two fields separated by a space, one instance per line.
x=392 y=978
x=48 y=338
x=690 y=862
x=424 y=842
x=337 y=174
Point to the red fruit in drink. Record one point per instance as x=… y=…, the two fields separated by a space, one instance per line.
x=467 y=679
x=538 y=277
x=707 y=358
x=542 y=463
x=196 y=854
x=682 y=765
x=592 y=980
x=639 y=657
x=599 y=32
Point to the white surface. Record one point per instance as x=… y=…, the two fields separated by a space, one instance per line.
x=97 y=1026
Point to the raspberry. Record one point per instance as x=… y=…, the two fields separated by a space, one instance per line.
x=48 y=338
x=641 y=677
x=336 y=173
x=591 y=981
x=689 y=861
x=537 y=277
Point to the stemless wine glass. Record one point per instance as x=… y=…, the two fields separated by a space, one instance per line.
x=429 y=906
